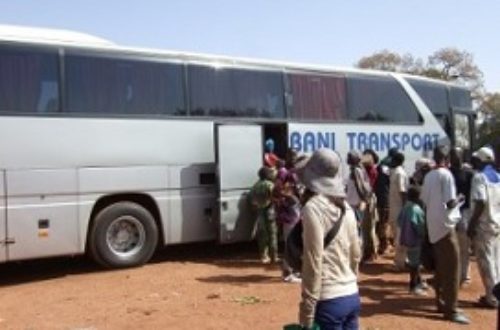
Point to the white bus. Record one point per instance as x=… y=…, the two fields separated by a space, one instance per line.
x=115 y=151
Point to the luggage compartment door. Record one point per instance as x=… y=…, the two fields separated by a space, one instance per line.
x=239 y=157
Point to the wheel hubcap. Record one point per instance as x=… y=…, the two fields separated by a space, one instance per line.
x=125 y=236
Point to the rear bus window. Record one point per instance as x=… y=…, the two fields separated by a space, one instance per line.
x=28 y=81
x=379 y=99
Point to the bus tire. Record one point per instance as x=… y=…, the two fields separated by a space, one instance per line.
x=123 y=234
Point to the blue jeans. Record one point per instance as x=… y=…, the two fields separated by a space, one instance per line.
x=340 y=313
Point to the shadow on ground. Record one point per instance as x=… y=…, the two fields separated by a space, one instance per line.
x=240 y=255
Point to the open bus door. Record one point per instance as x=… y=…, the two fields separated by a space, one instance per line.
x=3 y=220
x=239 y=157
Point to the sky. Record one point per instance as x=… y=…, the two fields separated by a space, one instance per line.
x=333 y=32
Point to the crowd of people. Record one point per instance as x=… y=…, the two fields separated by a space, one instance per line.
x=436 y=217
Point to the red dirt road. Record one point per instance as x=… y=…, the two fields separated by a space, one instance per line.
x=201 y=286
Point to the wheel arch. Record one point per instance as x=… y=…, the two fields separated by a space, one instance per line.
x=144 y=200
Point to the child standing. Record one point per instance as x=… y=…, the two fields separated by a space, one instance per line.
x=261 y=198
x=287 y=206
x=411 y=220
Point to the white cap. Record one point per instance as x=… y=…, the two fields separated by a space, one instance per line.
x=485 y=155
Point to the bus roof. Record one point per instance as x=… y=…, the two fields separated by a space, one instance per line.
x=49 y=36
x=67 y=38
x=433 y=80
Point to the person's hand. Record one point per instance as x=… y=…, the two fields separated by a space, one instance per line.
x=460 y=198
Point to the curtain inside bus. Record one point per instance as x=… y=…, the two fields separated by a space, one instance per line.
x=317 y=97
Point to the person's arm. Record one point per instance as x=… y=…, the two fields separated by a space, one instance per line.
x=474 y=219
x=357 y=176
x=312 y=262
x=355 y=248
x=449 y=190
x=402 y=184
x=478 y=195
x=424 y=193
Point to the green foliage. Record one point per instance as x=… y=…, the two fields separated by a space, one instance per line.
x=489 y=129
x=448 y=64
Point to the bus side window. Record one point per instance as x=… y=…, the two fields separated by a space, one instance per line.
x=28 y=80
x=103 y=85
x=229 y=92
x=317 y=97
x=379 y=98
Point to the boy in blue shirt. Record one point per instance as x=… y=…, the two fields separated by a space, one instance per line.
x=411 y=220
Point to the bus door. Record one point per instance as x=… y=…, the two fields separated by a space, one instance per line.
x=239 y=157
x=3 y=222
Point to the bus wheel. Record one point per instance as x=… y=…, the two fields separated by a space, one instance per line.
x=123 y=234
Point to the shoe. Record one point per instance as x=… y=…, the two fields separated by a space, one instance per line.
x=265 y=260
x=458 y=318
x=423 y=285
x=418 y=291
x=465 y=282
x=487 y=303
x=292 y=278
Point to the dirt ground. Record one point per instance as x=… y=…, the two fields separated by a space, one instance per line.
x=201 y=286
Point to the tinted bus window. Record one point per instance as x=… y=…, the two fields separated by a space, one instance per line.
x=435 y=96
x=317 y=97
x=379 y=99
x=460 y=98
x=28 y=81
x=118 y=86
x=235 y=92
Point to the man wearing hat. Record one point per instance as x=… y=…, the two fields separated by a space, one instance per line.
x=330 y=295
x=484 y=227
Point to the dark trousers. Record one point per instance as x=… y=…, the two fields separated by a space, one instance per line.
x=340 y=313
x=382 y=229
x=447 y=273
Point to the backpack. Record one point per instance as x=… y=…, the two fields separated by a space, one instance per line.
x=492 y=180
x=294 y=244
x=261 y=194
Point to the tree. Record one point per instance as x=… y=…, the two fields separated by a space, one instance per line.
x=452 y=64
x=386 y=60
x=448 y=64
